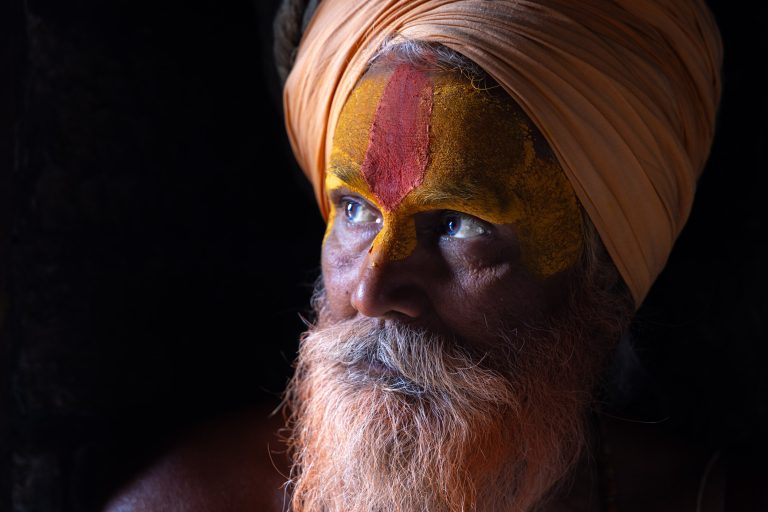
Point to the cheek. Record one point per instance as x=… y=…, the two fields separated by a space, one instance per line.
x=340 y=259
x=484 y=299
x=337 y=283
x=345 y=240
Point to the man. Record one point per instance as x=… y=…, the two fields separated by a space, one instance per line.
x=469 y=307
x=502 y=183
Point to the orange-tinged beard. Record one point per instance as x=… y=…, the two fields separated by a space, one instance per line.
x=385 y=417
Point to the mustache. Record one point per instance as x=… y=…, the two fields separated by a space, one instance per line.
x=401 y=358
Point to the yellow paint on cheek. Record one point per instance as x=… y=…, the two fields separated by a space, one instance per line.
x=330 y=223
x=550 y=229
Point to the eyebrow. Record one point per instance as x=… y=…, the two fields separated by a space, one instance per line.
x=463 y=191
x=348 y=175
x=449 y=190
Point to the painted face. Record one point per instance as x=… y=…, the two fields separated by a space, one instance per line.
x=448 y=209
x=410 y=141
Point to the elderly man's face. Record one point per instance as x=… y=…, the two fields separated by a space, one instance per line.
x=458 y=338
x=448 y=210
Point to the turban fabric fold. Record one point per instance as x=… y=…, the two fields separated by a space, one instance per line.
x=624 y=91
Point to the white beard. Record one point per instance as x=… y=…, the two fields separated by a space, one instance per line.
x=429 y=427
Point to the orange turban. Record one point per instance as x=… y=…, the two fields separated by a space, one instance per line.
x=624 y=91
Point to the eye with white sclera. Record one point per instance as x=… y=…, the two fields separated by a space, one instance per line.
x=452 y=224
x=460 y=225
x=358 y=212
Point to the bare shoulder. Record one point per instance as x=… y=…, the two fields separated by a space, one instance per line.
x=233 y=464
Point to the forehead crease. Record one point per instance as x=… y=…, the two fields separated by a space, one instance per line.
x=468 y=189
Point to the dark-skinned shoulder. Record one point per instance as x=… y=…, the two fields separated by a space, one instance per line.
x=234 y=464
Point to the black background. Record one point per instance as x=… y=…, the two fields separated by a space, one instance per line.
x=158 y=243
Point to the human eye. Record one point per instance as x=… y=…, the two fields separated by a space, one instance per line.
x=358 y=212
x=461 y=225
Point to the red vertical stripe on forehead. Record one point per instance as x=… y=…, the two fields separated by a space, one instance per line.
x=398 y=149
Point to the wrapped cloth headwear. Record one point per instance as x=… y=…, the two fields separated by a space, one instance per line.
x=624 y=91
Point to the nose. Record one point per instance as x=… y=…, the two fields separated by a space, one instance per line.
x=389 y=289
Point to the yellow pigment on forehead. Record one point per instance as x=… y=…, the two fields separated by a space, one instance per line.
x=483 y=160
x=350 y=142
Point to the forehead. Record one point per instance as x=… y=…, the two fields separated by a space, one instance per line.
x=411 y=141
x=478 y=143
